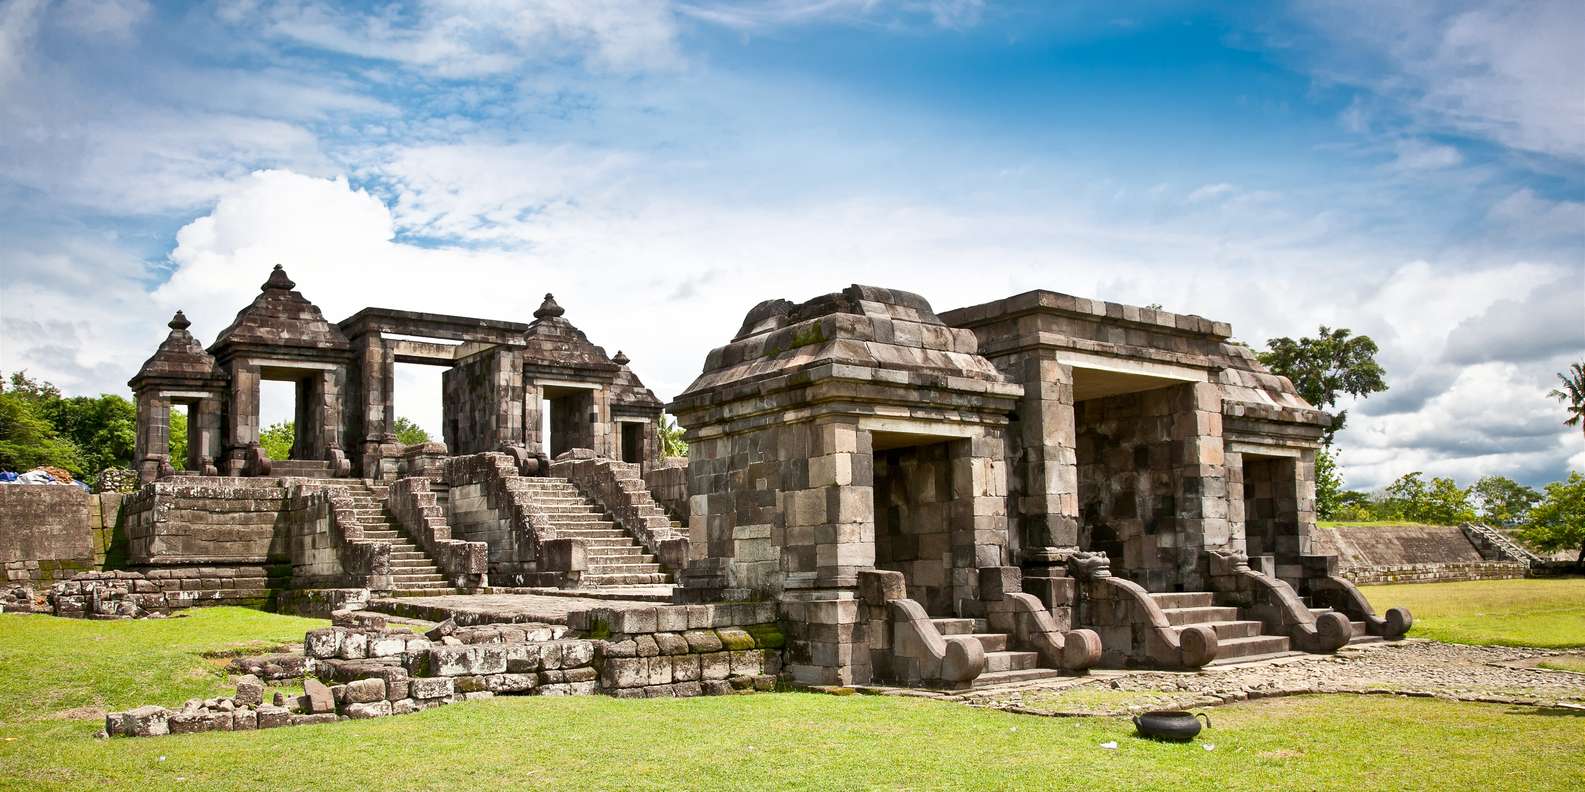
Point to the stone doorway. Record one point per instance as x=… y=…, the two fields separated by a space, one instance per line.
x=568 y=417
x=1271 y=507
x=632 y=445
x=919 y=517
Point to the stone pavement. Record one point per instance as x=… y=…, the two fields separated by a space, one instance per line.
x=1416 y=668
x=470 y=609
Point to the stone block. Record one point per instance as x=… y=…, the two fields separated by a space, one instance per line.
x=671 y=643
x=270 y=717
x=244 y=720
x=625 y=672
x=323 y=643
x=365 y=691
x=523 y=657
x=146 y=721
x=404 y=706
x=715 y=665
x=685 y=668
x=354 y=645
x=319 y=698
x=700 y=641
x=469 y=684
x=250 y=691
x=509 y=683
x=646 y=645
x=309 y=720
x=467 y=659
x=366 y=710
x=432 y=687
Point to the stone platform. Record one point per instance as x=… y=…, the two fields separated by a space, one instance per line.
x=515 y=608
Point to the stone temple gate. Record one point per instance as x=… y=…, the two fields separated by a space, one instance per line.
x=1031 y=486
x=501 y=379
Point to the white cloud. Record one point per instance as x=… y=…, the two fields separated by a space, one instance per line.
x=1508 y=73
x=1423 y=155
x=100 y=19
x=461 y=38
x=1539 y=217
x=947 y=14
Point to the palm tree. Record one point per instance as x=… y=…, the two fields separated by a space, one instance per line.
x=1572 y=394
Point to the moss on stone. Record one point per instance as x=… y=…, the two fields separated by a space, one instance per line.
x=601 y=630
x=735 y=639
x=767 y=636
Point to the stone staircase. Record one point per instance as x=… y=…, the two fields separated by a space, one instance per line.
x=1002 y=666
x=615 y=557
x=1238 y=640
x=412 y=571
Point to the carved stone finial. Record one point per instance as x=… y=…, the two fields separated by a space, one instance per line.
x=549 y=308
x=620 y=359
x=179 y=322
x=278 y=280
x=1089 y=566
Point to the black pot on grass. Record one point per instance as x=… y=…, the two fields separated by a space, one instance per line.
x=1173 y=725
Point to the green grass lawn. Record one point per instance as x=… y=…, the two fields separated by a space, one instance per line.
x=1575 y=663
x=49 y=667
x=1545 y=612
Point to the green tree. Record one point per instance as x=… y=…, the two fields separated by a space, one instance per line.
x=178 y=440
x=408 y=432
x=1439 y=501
x=1502 y=500
x=277 y=439
x=1328 y=485
x=27 y=440
x=1558 y=521
x=671 y=442
x=103 y=428
x=1572 y=394
x=1325 y=368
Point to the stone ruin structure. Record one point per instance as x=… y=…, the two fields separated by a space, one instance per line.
x=888 y=495
x=1039 y=482
x=500 y=378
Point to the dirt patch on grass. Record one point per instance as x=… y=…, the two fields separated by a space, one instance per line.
x=79 y=713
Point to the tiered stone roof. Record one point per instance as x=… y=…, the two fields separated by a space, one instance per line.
x=179 y=360
x=279 y=320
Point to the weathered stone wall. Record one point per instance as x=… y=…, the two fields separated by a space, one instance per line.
x=483 y=402
x=195 y=520
x=45 y=532
x=480 y=508
x=620 y=490
x=1410 y=554
x=913 y=522
x=668 y=485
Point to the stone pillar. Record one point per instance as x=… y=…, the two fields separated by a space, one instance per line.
x=838 y=503
x=978 y=514
x=1046 y=483
x=1199 y=481
x=153 y=443
x=203 y=435
x=533 y=418
x=371 y=407
x=507 y=370
x=242 y=416
x=329 y=398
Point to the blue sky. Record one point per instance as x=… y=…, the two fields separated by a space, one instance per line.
x=1413 y=171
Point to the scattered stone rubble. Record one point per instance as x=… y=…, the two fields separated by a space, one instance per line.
x=1411 y=668
x=362 y=668
x=108 y=595
x=22 y=599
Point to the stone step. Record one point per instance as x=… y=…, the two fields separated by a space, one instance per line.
x=1010 y=661
x=992 y=642
x=592 y=580
x=405 y=555
x=1241 y=649
x=594 y=542
x=405 y=579
x=599 y=568
x=583 y=523
x=1178 y=617
x=1234 y=629
x=614 y=555
x=989 y=679
x=591 y=533
x=954 y=626
x=1184 y=599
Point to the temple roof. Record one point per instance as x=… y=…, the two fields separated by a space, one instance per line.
x=280 y=318
x=179 y=359
x=554 y=343
x=860 y=326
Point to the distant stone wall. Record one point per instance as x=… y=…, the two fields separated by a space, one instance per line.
x=668 y=485
x=45 y=533
x=208 y=520
x=1411 y=554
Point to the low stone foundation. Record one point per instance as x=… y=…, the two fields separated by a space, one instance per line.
x=123 y=594
x=1436 y=573
x=362 y=670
